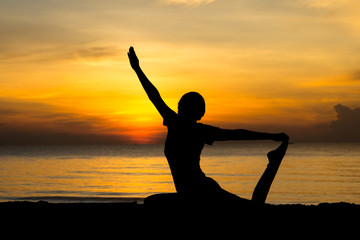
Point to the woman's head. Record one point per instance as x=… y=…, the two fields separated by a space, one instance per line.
x=191 y=106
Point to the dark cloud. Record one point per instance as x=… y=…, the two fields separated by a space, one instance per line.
x=346 y=128
x=23 y=123
x=41 y=137
x=347 y=125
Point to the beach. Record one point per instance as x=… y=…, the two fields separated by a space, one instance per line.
x=131 y=220
x=98 y=191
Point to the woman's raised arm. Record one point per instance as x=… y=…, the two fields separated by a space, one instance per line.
x=149 y=88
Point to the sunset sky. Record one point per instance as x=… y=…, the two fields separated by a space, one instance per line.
x=283 y=65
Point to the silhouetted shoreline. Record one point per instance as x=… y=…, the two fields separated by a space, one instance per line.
x=133 y=207
x=138 y=221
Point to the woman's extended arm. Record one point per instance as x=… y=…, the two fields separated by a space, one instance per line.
x=241 y=134
x=149 y=88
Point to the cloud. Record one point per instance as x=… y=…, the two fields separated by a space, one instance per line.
x=345 y=128
x=356 y=76
x=325 y=3
x=188 y=2
x=347 y=125
x=24 y=122
x=98 y=53
x=25 y=39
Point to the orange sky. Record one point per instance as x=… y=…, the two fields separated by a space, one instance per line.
x=264 y=65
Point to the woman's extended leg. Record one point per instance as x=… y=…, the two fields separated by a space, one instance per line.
x=263 y=186
x=162 y=199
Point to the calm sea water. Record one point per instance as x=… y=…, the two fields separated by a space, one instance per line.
x=310 y=173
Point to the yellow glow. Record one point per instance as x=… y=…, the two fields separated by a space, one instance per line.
x=258 y=65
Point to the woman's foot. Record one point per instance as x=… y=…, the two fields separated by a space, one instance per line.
x=275 y=156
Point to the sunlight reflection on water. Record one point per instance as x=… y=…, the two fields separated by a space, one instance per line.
x=310 y=173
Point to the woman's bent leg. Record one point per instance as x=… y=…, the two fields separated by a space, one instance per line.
x=162 y=199
x=215 y=194
x=263 y=186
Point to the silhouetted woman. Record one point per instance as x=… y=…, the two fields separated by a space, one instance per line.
x=185 y=141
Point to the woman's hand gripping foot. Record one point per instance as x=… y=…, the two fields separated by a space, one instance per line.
x=276 y=156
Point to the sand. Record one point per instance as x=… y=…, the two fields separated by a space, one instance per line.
x=129 y=220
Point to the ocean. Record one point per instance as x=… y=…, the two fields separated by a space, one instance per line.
x=310 y=173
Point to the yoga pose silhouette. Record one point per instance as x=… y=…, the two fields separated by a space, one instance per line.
x=185 y=141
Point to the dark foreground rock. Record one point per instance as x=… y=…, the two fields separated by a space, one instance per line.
x=129 y=220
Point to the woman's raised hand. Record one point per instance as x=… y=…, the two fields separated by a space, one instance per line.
x=134 y=61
